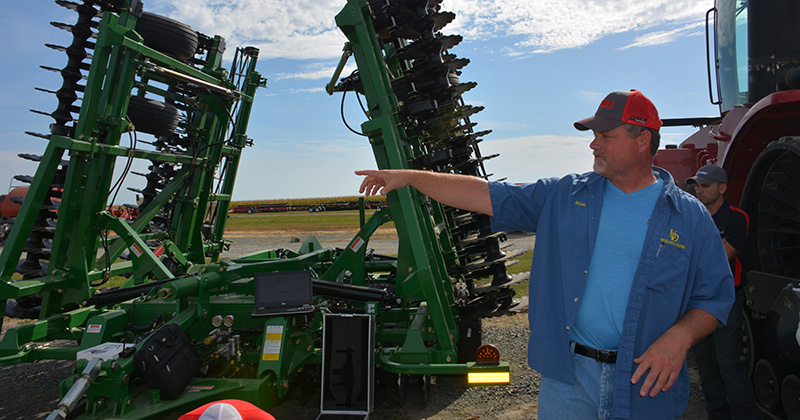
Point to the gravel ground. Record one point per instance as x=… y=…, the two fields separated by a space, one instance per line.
x=30 y=391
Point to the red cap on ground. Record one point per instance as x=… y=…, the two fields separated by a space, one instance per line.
x=227 y=410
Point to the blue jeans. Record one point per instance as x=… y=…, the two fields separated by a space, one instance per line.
x=589 y=398
x=723 y=376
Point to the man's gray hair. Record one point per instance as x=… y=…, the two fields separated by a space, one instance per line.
x=655 y=136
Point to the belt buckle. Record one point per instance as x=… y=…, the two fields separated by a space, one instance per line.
x=605 y=356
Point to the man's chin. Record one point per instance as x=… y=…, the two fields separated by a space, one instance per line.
x=599 y=168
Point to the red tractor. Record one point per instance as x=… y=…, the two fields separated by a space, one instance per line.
x=9 y=207
x=757 y=141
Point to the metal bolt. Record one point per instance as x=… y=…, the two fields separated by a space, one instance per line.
x=410 y=269
x=448 y=358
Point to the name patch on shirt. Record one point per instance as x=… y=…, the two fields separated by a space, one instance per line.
x=578 y=203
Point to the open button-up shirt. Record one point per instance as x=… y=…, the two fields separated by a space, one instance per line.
x=682 y=266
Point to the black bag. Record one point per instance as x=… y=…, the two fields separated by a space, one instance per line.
x=168 y=361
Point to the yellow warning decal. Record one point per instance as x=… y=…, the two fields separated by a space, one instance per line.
x=272 y=343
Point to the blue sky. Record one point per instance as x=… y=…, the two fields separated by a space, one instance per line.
x=540 y=65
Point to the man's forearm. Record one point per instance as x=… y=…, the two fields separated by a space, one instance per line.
x=459 y=191
x=695 y=325
x=664 y=358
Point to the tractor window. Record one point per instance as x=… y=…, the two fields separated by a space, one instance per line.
x=731 y=42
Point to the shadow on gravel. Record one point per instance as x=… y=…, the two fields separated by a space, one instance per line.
x=397 y=397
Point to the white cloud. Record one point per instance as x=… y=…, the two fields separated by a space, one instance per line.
x=299 y=29
x=591 y=96
x=316 y=71
x=305 y=29
x=549 y=25
x=665 y=37
x=528 y=158
x=308 y=90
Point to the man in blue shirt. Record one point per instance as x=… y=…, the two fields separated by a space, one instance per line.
x=628 y=271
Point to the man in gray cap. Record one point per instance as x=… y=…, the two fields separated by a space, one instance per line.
x=723 y=375
x=628 y=271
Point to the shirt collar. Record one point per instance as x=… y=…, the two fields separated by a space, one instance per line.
x=670 y=190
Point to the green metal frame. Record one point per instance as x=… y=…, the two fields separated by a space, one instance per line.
x=176 y=275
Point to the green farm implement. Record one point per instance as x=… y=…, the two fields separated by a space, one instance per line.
x=139 y=86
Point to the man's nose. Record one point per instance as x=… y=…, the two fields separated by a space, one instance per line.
x=594 y=144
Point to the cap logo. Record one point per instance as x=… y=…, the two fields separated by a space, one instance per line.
x=641 y=120
x=607 y=104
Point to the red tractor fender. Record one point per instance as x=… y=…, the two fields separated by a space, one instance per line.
x=775 y=116
x=7 y=207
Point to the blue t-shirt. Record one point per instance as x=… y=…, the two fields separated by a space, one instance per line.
x=620 y=236
x=683 y=266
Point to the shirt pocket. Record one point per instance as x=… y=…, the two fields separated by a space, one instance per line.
x=669 y=270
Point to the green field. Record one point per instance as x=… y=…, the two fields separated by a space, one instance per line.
x=300 y=221
x=306 y=201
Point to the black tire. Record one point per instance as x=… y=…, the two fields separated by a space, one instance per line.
x=151 y=116
x=766 y=385
x=173 y=38
x=768 y=199
x=790 y=394
x=5 y=229
x=28 y=307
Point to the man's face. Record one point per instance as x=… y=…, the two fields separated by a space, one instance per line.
x=615 y=151
x=710 y=193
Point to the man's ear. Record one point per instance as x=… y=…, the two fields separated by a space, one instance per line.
x=723 y=187
x=644 y=140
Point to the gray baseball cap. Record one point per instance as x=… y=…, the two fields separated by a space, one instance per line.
x=620 y=108
x=708 y=174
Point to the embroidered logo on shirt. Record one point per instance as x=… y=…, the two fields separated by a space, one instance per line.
x=578 y=203
x=673 y=239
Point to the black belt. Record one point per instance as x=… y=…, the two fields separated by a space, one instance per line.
x=602 y=356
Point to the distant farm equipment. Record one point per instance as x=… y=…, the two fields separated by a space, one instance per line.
x=311 y=208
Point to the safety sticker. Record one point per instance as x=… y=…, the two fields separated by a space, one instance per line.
x=94 y=328
x=357 y=244
x=136 y=250
x=272 y=343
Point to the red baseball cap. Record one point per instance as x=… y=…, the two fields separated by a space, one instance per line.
x=622 y=108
